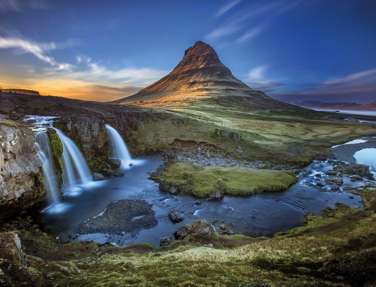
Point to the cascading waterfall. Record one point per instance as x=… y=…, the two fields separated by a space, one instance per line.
x=75 y=169
x=40 y=126
x=45 y=154
x=119 y=148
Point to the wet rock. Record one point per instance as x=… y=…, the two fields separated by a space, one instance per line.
x=173 y=190
x=121 y=216
x=167 y=188
x=199 y=229
x=356 y=178
x=165 y=241
x=334 y=180
x=218 y=195
x=332 y=173
x=98 y=176
x=118 y=173
x=354 y=169
x=116 y=163
x=225 y=229
x=175 y=216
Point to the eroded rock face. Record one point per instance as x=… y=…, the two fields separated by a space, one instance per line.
x=21 y=181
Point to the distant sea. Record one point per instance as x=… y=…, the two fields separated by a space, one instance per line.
x=351 y=112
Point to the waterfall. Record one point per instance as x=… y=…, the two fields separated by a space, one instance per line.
x=75 y=169
x=45 y=154
x=119 y=148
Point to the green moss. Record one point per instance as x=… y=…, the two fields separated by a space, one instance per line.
x=57 y=153
x=9 y=123
x=204 y=181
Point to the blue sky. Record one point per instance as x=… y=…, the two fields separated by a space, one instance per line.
x=294 y=49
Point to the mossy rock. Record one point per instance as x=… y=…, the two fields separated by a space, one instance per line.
x=203 y=182
x=57 y=150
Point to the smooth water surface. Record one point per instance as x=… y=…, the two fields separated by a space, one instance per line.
x=262 y=214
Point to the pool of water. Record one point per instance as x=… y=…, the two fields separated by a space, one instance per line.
x=367 y=156
x=262 y=214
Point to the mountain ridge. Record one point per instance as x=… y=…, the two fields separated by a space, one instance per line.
x=199 y=76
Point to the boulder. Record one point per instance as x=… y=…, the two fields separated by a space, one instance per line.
x=353 y=169
x=199 y=229
x=165 y=241
x=175 y=216
x=218 y=195
x=98 y=176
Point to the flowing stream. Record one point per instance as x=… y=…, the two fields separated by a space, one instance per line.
x=261 y=214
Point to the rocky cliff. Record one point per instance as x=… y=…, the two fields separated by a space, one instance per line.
x=21 y=183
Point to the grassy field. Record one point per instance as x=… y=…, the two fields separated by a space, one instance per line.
x=204 y=181
x=274 y=136
x=336 y=249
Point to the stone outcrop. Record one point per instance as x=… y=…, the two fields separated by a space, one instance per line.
x=21 y=182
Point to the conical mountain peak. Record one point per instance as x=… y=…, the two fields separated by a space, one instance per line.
x=200 y=75
x=199 y=56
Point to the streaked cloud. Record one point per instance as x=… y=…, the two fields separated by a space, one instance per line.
x=355 y=87
x=248 y=35
x=223 y=31
x=20 y=5
x=257 y=16
x=36 y=49
x=88 y=70
x=227 y=7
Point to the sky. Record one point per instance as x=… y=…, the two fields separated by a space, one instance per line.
x=296 y=50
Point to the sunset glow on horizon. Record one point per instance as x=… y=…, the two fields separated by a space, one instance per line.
x=95 y=52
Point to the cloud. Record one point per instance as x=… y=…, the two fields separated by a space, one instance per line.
x=263 y=13
x=225 y=8
x=355 y=87
x=250 y=34
x=257 y=80
x=36 y=49
x=90 y=71
x=81 y=77
x=20 y=5
x=223 y=31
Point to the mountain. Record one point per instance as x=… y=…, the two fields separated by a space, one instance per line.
x=201 y=76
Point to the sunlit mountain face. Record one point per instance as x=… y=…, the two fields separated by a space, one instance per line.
x=297 y=51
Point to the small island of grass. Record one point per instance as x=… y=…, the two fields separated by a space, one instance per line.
x=203 y=182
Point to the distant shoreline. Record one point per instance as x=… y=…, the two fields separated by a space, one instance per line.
x=348 y=112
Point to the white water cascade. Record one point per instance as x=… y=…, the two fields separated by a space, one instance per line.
x=119 y=148
x=75 y=170
x=45 y=155
x=41 y=124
